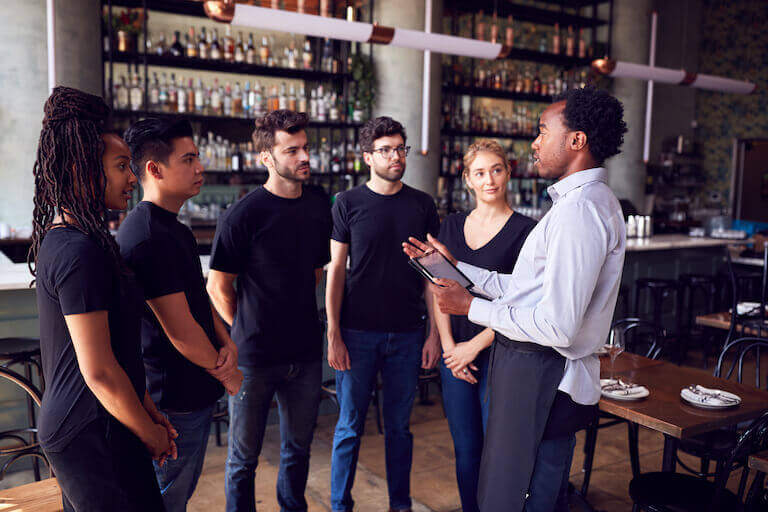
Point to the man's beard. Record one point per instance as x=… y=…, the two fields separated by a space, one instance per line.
x=389 y=175
x=291 y=174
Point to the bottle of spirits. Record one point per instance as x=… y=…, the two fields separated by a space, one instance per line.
x=333 y=108
x=327 y=59
x=322 y=106
x=325 y=10
x=216 y=94
x=202 y=45
x=569 y=42
x=494 y=29
x=176 y=49
x=335 y=161
x=136 y=95
x=264 y=52
x=181 y=96
x=250 y=51
x=162 y=95
x=226 y=100
x=290 y=54
x=239 y=48
x=229 y=44
x=173 y=97
x=306 y=56
x=556 y=40
x=358 y=165
x=509 y=32
x=536 y=83
x=190 y=96
x=199 y=97
x=314 y=159
x=325 y=156
x=160 y=45
x=258 y=107
x=313 y=110
x=292 y=98
x=191 y=50
x=301 y=100
x=246 y=99
x=582 y=45
x=154 y=93
x=215 y=48
x=237 y=159
x=480 y=27
x=282 y=99
x=237 y=101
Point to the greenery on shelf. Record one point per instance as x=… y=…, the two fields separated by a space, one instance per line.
x=363 y=80
x=128 y=20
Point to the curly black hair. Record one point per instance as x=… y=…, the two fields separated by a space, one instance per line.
x=379 y=127
x=599 y=115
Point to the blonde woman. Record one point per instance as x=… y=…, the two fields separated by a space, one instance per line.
x=489 y=236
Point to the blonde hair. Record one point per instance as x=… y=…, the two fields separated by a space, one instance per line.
x=484 y=146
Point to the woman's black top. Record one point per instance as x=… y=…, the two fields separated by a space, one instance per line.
x=499 y=254
x=76 y=275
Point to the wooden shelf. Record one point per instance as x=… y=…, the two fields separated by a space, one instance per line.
x=221 y=66
x=531 y=14
x=449 y=132
x=483 y=92
x=133 y=114
x=184 y=7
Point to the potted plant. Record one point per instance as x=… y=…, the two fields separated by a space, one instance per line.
x=126 y=26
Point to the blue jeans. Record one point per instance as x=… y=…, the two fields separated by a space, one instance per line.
x=178 y=478
x=297 y=387
x=466 y=408
x=548 y=491
x=398 y=356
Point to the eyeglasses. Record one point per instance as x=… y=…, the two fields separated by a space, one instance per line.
x=386 y=151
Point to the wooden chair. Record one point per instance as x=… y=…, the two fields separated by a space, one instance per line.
x=42 y=496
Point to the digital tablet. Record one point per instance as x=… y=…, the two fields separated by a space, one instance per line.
x=434 y=265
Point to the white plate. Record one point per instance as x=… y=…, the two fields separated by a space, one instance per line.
x=694 y=400
x=638 y=393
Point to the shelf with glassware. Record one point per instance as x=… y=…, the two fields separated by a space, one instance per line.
x=283 y=71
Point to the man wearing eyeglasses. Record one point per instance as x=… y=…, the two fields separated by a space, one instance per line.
x=376 y=311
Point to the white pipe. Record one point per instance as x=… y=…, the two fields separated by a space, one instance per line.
x=50 y=10
x=649 y=94
x=426 y=82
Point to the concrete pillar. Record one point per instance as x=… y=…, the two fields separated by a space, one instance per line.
x=631 y=30
x=399 y=73
x=24 y=82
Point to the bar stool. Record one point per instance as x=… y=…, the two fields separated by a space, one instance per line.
x=25 y=352
x=691 y=288
x=658 y=289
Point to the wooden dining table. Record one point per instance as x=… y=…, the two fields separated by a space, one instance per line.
x=665 y=411
x=722 y=320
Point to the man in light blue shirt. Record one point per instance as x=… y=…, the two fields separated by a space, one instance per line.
x=552 y=313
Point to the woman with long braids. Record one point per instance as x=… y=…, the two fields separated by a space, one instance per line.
x=98 y=427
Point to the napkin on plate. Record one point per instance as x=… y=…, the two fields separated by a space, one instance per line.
x=708 y=396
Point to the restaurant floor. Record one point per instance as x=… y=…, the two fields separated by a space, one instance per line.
x=433 y=481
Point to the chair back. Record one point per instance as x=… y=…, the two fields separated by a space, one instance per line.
x=753 y=440
x=735 y=352
x=642 y=336
x=751 y=319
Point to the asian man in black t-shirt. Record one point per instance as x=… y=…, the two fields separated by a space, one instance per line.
x=274 y=241
x=188 y=354
x=376 y=311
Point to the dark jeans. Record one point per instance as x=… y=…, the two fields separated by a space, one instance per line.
x=397 y=355
x=106 y=467
x=297 y=387
x=178 y=478
x=466 y=408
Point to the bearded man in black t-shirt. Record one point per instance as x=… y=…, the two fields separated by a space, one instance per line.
x=274 y=241
x=376 y=311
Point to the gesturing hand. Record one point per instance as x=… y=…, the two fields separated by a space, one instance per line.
x=415 y=248
x=451 y=297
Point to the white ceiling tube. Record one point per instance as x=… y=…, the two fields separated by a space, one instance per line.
x=615 y=68
x=425 y=82
x=649 y=93
x=320 y=26
x=50 y=9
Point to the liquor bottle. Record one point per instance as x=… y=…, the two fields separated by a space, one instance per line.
x=509 y=32
x=229 y=44
x=162 y=95
x=245 y=99
x=191 y=50
x=357 y=112
x=358 y=165
x=306 y=55
x=173 y=97
x=216 y=94
x=582 y=45
x=336 y=164
x=325 y=156
x=264 y=51
x=527 y=81
x=237 y=101
x=199 y=97
x=290 y=54
x=136 y=95
x=333 y=108
x=190 y=96
x=253 y=107
x=202 y=45
x=494 y=29
x=292 y=98
x=226 y=100
x=480 y=27
x=160 y=45
x=556 y=40
x=215 y=48
x=349 y=160
x=313 y=110
x=181 y=96
x=257 y=107
x=569 y=42
x=326 y=62
x=154 y=93
x=325 y=8
x=301 y=100
x=240 y=48
x=250 y=51
x=314 y=159
x=237 y=159
x=543 y=42
x=536 y=83
x=282 y=99
x=322 y=106
x=176 y=49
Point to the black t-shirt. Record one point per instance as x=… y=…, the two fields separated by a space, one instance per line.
x=162 y=252
x=274 y=245
x=382 y=292
x=499 y=254
x=75 y=275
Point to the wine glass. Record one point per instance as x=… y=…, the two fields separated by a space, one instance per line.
x=615 y=345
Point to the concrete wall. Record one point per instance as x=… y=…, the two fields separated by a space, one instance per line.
x=24 y=82
x=399 y=73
